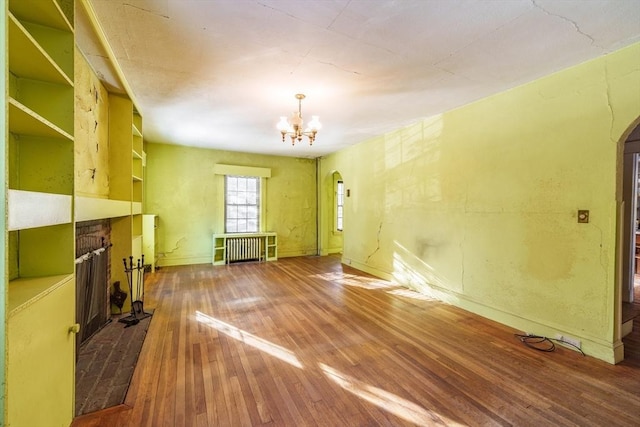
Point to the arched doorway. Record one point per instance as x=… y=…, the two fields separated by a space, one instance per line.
x=630 y=253
x=333 y=227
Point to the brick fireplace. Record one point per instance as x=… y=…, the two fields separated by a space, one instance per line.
x=93 y=276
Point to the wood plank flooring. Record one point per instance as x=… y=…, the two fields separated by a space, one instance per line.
x=309 y=342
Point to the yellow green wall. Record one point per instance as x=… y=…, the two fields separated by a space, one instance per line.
x=182 y=189
x=91 y=131
x=478 y=206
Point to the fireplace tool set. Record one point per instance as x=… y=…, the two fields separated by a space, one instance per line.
x=137 y=306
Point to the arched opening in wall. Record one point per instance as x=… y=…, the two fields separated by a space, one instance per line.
x=629 y=294
x=336 y=196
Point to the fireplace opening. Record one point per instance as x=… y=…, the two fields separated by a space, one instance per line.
x=93 y=275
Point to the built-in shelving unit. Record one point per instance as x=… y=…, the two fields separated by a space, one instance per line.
x=126 y=157
x=40 y=224
x=40 y=110
x=137 y=168
x=43 y=169
x=138 y=159
x=43 y=172
x=271 y=247
x=219 y=249
x=262 y=246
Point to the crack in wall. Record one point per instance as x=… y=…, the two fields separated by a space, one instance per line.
x=340 y=68
x=608 y=93
x=464 y=47
x=328 y=27
x=95 y=55
x=339 y=14
x=281 y=11
x=146 y=10
x=177 y=246
x=573 y=23
x=378 y=244
x=291 y=230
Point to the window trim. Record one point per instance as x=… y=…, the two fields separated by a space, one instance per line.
x=220 y=170
x=259 y=204
x=337 y=218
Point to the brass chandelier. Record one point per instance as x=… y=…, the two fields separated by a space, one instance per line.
x=293 y=126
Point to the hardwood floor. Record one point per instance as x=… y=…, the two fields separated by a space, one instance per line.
x=307 y=341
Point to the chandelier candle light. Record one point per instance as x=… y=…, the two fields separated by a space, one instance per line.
x=293 y=126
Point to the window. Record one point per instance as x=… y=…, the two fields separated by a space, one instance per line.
x=242 y=204
x=339 y=204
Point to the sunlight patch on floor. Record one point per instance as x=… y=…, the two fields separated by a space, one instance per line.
x=355 y=280
x=398 y=406
x=408 y=293
x=261 y=344
x=244 y=302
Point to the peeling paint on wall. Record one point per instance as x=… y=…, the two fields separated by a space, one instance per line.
x=91 y=132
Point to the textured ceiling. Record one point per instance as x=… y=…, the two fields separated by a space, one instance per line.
x=219 y=73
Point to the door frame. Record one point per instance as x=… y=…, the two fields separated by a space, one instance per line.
x=625 y=247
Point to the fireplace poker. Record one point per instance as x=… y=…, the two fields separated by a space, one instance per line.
x=138 y=304
x=128 y=271
x=140 y=301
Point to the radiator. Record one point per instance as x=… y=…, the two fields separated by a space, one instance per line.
x=245 y=249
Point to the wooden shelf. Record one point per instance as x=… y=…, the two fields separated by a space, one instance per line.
x=137 y=145
x=23 y=120
x=43 y=12
x=137 y=155
x=137 y=171
x=29 y=60
x=135 y=130
x=27 y=290
x=92 y=208
x=25 y=209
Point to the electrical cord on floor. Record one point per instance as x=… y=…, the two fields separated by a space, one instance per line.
x=537 y=342
x=540 y=343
